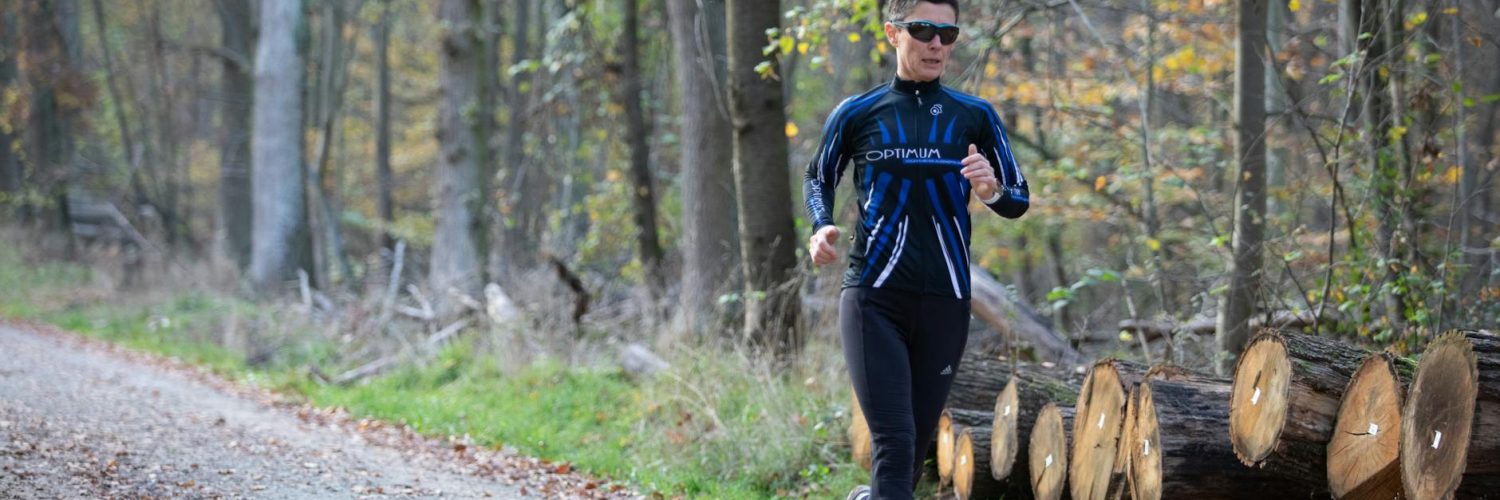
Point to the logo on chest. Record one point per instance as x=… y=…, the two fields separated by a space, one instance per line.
x=903 y=154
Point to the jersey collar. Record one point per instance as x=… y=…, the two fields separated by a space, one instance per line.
x=915 y=87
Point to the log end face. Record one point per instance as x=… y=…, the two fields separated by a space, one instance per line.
x=1438 y=418
x=1258 y=398
x=1096 y=432
x=1048 y=450
x=1366 y=437
x=1144 y=448
x=963 y=464
x=1004 y=446
x=945 y=443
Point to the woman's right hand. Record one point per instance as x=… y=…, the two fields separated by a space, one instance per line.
x=821 y=245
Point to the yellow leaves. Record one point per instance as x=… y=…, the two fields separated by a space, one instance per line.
x=802 y=47
x=1153 y=243
x=1450 y=10
x=1294 y=5
x=786 y=44
x=613 y=175
x=882 y=48
x=1415 y=20
x=854 y=37
x=1452 y=175
x=1397 y=132
x=791 y=130
x=1100 y=183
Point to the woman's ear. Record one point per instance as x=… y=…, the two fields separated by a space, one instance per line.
x=890 y=34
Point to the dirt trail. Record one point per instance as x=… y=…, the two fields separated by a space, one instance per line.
x=80 y=421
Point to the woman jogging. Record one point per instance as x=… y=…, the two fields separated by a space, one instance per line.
x=918 y=151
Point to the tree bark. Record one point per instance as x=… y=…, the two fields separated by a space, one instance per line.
x=709 y=242
x=280 y=233
x=950 y=423
x=1450 y=426
x=456 y=266
x=1250 y=183
x=10 y=162
x=768 y=240
x=1285 y=400
x=648 y=247
x=237 y=89
x=1016 y=412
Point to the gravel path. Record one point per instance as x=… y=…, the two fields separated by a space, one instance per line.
x=78 y=420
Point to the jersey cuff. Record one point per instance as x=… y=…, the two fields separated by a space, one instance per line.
x=993 y=198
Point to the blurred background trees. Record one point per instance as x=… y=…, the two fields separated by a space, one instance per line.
x=646 y=150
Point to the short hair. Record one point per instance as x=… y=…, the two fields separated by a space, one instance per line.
x=897 y=10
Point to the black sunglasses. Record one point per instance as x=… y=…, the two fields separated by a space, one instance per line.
x=923 y=31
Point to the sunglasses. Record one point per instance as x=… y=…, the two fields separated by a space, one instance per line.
x=923 y=31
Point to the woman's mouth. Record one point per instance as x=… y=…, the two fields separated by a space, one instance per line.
x=931 y=61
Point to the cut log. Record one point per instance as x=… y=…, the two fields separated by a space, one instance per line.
x=952 y=421
x=1047 y=452
x=1285 y=397
x=1015 y=320
x=1365 y=446
x=1016 y=410
x=1177 y=447
x=1450 y=426
x=982 y=376
x=971 y=469
x=1097 y=428
x=861 y=443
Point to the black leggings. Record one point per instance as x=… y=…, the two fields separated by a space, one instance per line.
x=902 y=349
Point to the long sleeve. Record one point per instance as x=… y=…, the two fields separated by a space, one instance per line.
x=826 y=169
x=1015 y=195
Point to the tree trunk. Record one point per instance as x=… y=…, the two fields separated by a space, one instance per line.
x=384 y=203
x=1250 y=184
x=709 y=243
x=51 y=31
x=237 y=89
x=768 y=241
x=1047 y=454
x=277 y=183
x=1450 y=426
x=525 y=182
x=1098 y=428
x=456 y=266
x=644 y=200
x=1364 y=450
x=10 y=162
x=1177 y=447
x=1284 y=401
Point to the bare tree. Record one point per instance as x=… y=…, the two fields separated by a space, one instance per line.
x=767 y=237
x=279 y=238
x=636 y=132
x=236 y=89
x=709 y=243
x=1250 y=183
x=383 y=202
x=456 y=265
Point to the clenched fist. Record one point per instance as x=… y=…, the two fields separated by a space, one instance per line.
x=980 y=174
x=820 y=245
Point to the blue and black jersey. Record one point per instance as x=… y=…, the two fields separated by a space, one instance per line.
x=907 y=140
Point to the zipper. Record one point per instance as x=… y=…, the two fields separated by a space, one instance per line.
x=919 y=97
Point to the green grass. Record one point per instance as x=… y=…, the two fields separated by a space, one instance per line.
x=717 y=425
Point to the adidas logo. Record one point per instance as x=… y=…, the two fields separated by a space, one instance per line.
x=947 y=370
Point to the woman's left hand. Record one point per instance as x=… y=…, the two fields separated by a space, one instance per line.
x=980 y=174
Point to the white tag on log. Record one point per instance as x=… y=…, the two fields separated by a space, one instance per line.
x=1146 y=450
x=1007 y=411
x=963 y=460
x=1436 y=438
x=1049 y=460
x=1374 y=429
x=1255 y=398
x=1101 y=420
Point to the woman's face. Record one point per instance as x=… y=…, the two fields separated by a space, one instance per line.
x=915 y=59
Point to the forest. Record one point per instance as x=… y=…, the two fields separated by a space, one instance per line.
x=584 y=219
